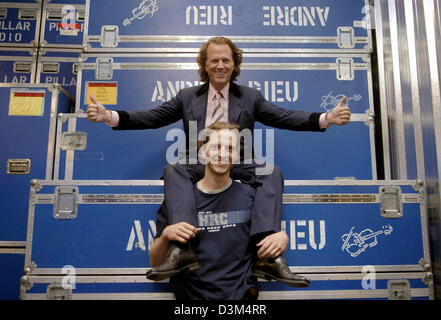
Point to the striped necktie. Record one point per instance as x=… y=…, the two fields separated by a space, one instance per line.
x=218 y=112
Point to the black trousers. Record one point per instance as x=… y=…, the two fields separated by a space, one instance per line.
x=266 y=213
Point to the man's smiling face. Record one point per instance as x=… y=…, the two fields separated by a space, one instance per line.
x=222 y=150
x=219 y=65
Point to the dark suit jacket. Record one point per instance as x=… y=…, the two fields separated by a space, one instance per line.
x=246 y=105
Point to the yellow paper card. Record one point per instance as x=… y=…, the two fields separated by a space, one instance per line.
x=26 y=103
x=104 y=92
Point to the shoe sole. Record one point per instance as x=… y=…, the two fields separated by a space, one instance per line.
x=292 y=283
x=162 y=275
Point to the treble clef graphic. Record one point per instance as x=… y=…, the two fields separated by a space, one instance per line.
x=330 y=101
x=141 y=11
x=355 y=243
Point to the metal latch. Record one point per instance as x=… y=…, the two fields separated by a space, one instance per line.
x=18 y=166
x=398 y=290
x=66 y=203
x=345 y=70
x=50 y=67
x=3 y=13
x=345 y=36
x=71 y=141
x=109 y=36
x=22 y=67
x=56 y=291
x=391 y=205
x=75 y=68
x=27 y=14
x=55 y=14
x=104 y=69
x=81 y=14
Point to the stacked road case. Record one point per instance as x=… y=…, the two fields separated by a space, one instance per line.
x=31 y=101
x=353 y=239
x=19 y=36
x=61 y=42
x=28 y=131
x=91 y=224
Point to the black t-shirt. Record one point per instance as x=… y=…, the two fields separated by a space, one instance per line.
x=223 y=246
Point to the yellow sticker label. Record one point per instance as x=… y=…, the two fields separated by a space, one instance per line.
x=104 y=92
x=26 y=103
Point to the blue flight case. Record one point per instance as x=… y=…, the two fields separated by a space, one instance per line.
x=309 y=83
x=58 y=65
x=28 y=133
x=20 y=23
x=18 y=65
x=365 y=239
x=28 y=126
x=11 y=270
x=330 y=24
x=62 y=24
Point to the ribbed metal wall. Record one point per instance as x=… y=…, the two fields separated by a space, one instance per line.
x=409 y=67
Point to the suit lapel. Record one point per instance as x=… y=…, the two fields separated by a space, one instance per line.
x=234 y=103
x=234 y=108
x=199 y=108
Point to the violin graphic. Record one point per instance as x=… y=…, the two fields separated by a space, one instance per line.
x=355 y=243
x=141 y=11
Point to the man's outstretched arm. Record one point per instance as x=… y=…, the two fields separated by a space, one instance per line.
x=160 y=116
x=274 y=116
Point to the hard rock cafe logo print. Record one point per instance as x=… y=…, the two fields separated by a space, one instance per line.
x=356 y=243
x=140 y=12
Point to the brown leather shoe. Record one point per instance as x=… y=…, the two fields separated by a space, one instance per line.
x=178 y=260
x=277 y=269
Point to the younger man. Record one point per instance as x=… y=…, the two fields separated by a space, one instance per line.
x=224 y=255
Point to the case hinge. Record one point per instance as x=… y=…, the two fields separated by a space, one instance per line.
x=109 y=36
x=345 y=70
x=56 y=291
x=391 y=205
x=66 y=203
x=428 y=276
x=22 y=67
x=398 y=290
x=104 y=69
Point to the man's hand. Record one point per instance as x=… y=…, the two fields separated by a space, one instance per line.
x=273 y=245
x=96 y=112
x=340 y=115
x=181 y=232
